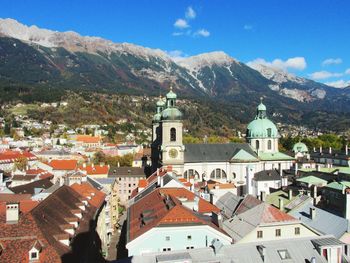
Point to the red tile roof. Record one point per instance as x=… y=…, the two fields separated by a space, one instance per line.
x=24 y=206
x=64 y=164
x=85 y=190
x=88 y=139
x=14 y=197
x=10 y=156
x=248 y=202
x=95 y=169
x=157 y=209
x=203 y=205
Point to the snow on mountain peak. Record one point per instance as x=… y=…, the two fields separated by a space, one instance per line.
x=275 y=74
x=207 y=59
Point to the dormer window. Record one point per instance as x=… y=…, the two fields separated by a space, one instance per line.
x=34 y=252
x=34 y=256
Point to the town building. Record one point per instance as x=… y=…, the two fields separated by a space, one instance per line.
x=231 y=162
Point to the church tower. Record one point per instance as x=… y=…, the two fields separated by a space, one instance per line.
x=262 y=133
x=172 y=148
x=156 y=134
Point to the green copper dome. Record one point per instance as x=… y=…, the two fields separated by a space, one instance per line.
x=261 y=127
x=157 y=117
x=160 y=102
x=300 y=147
x=171 y=94
x=171 y=114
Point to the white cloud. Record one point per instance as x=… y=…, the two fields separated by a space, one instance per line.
x=181 y=23
x=339 y=83
x=332 y=61
x=176 y=55
x=347 y=71
x=296 y=63
x=324 y=75
x=202 y=32
x=190 y=13
x=247 y=27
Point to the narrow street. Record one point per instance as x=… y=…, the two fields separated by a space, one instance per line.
x=117 y=244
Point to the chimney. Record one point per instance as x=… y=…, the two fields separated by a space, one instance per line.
x=346 y=149
x=318 y=167
x=217 y=218
x=280 y=201
x=347 y=204
x=158 y=180
x=290 y=194
x=281 y=171
x=157 y=171
x=314 y=149
x=314 y=191
x=320 y=149
x=12 y=213
x=296 y=169
x=84 y=165
x=312 y=213
x=262 y=196
x=330 y=150
x=211 y=198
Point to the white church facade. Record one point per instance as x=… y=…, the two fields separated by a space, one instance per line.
x=231 y=162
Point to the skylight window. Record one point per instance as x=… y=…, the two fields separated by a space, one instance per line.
x=284 y=254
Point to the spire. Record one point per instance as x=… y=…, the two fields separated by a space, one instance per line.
x=171 y=98
x=261 y=110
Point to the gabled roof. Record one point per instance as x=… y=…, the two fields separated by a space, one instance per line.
x=159 y=209
x=248 y=202
x=267 y=175
x=85 y=190
x=63 y=164
x=88 y=139
x=313 y=180
x=203 y=205
x=241 y=225
x=30 y=188
x=95 y=169
x=324 y=222
x=10 y=156
x=126 y=172
x=195 y=153
x=228 y=203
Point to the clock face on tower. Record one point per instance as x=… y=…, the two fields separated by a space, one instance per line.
x=173 y=153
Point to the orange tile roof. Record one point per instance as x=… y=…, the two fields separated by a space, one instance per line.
x=63 y=164
x=96 y=169
x=143 y=183
x=85 y=190
x=157 y=209
x=203 y=205
x=10 y=156
x=88 y=139
x=24 y=206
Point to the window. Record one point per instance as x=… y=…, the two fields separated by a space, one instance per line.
x=167 y=238
x=166 y=249
x=269 y=132
x=172 y=134
x=259 y=234
x=189 y=237
x=191 y=173
x=190 y=247
x=33 y=255
x=257 y=145
x=129 y=191
x=297 y=231
x=278 y=232
x=284 y=254
x=218 y=174
x=129 y=185
x=269 y=144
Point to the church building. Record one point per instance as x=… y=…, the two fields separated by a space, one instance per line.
x=229 y=162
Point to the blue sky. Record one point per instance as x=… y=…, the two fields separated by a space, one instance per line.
x=307 y=38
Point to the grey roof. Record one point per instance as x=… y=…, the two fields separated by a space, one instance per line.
x=30 y=188
x=228 y=203
x=299 y=250
x=173 y=257
x=326 y=241
x=267 y=175
x=324 y=222
x=105 y=180
x=215 y=152
x=52 y=189
x=126 y=172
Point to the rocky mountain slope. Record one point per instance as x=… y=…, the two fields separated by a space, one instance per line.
x=35 y=59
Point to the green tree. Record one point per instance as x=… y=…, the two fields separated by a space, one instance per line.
x=21 y=163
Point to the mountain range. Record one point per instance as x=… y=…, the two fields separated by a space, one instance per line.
x=40 y=59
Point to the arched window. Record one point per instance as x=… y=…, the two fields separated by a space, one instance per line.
x=191 y=173
x=269 y=144
x=218 y=174
x=269 y=132
x=257 y=144
x=172 y=134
